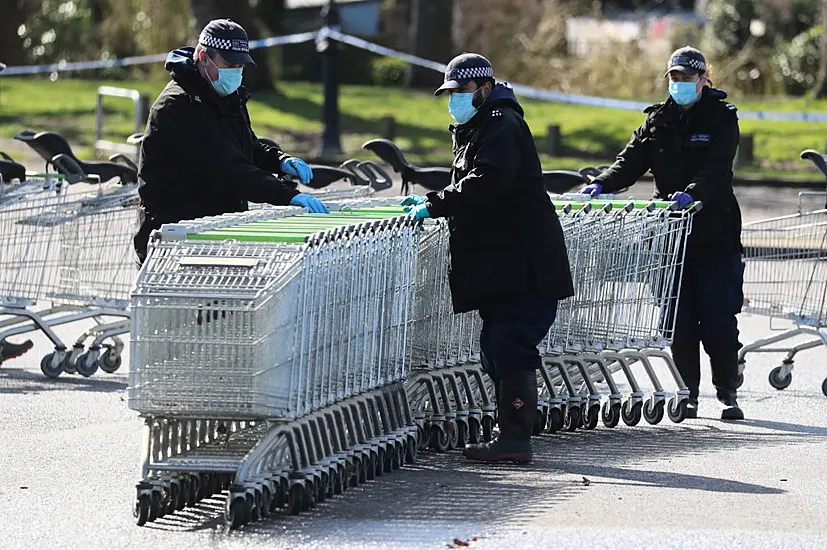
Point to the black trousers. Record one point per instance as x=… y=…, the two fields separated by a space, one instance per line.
x=511 y=333
x=711 y=295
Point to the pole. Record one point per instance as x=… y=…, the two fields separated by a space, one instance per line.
x=330 y=144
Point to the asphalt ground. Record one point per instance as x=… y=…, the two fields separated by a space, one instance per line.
x=70 y=450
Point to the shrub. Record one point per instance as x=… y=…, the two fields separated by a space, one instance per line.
x=387 y=71
x=798 y=61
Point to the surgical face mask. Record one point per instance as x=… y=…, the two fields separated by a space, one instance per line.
x=228 y=81
x=461 y=107
x=684 y=93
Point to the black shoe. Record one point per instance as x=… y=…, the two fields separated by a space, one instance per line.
x=500 y=450
x=517 y=412
x=728 y=399
x=9 y=350
x=692 y=408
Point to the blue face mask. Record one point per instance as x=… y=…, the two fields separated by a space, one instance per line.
x=684 y=93
x=461 y=107
x=228 y=81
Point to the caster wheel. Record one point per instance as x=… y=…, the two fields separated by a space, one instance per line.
x=192 y=491
x=87 y=364
x=338 y=485
x=539 y=423
x=631 y=414
x=453 y=435
x=321 y=489
x=487 y=429
x=653 y=413
x=440 y=440
x=411 y=451
x=462 y=434
x=592 y=417
x=779 y=383
x=309 y=497
x=474 y=430
x=279 y=498
x=156 y=506
x=390 y=458
x=109 y=361
x=740 y=381
x=677 y=410
x=398 y=455
x=295 y=498
x=573 y=419
x=201 y=489
x=237 y=512
x=172 y=499
x=422 y=437
x=51 y=371
x=555 y=420
x=824 y=387
x=266 y=503
x=380 y=462
x=362 y=469
x=370 y=472
x=253 y=510
x=610 y=414
x=183 y=491
x=141 y=510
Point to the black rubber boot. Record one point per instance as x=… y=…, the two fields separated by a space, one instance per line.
x=517 y=412
x=728 y=399
x=10 y=350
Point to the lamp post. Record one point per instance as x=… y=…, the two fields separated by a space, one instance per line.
x=330 y=144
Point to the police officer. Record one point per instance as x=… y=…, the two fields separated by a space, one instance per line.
x=508 y=255
x=689 y=143
x=199 y=155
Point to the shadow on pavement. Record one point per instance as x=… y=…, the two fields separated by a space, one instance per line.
x=444 y=493
x=29 y=381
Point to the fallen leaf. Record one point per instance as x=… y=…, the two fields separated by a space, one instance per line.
x=475 y=538
x=586 y=481
x=461 y=542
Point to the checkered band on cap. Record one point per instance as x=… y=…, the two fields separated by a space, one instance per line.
x=685 y=61
x=469 y=73
x=227 y=44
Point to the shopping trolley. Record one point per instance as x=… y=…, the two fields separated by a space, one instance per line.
x=66 y=246
x=267 y=357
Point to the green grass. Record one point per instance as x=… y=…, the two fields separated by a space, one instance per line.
x=590 y=135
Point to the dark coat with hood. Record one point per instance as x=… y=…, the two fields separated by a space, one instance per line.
x=506 y=240
x=690 y=151
x=199 y=155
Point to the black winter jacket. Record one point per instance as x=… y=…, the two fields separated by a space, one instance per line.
x=690 y=151
x=506 y=240
x=199 y=155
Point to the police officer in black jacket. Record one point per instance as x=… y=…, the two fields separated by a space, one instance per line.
x=689 y=144
x=199 y=155
x=508 y=255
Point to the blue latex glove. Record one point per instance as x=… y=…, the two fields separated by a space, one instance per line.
x=592 y=189
x=419 y=211
x=683 y=199
x=313 y=205
x=297 y=167
x=413 y=200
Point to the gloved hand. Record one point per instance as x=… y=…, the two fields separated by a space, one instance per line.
x=683 y=199
x=413 y=200
x=419 y=211
x=297 y=167
x=313 y=205
x=592 y=189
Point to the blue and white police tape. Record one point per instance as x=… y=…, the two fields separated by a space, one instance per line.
x=326 y=33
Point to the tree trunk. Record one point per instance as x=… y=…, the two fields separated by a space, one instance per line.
x=431 y=38
x=203 y=11
x=821 y=85
x=11 y=46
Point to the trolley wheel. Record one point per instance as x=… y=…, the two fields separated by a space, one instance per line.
x=539 y=423
x=201 y=489
x=824 y=387
x=309 y=496
x=487 y=429
x=779 y=383
x=110 y=361
x=253 y=503
x=49 y=370
x=631 y=414
x=462 y=433
x=453 y=434
x=280 y=498
x=338 y=485
x=370 y=467
x=192 y=491
x=440 y=440
x=573 y=418
x=155 y=506
x=399 y=455
x=740 y=381
x=237 y=512
x=555 y=420
x=380 y=461
x=266 y=503
x=610 y=414
x=321 y=488
x=474 y=430
x=411 y=451
x=677 y=410
x=390 y=458
x=422 y=438
x=183 y=490
x=592 y=417
x=295 y=499
x=86 y=365
x=141 y=510
x=653 y=413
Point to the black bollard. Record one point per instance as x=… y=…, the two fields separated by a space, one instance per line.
x=330 y=144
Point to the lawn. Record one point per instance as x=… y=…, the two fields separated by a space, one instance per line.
x=590 y=135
